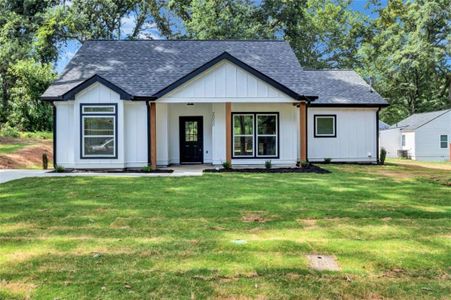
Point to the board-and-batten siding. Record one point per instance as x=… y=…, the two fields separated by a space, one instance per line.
x=356 y=136
x=225 y=82
x=132 y=130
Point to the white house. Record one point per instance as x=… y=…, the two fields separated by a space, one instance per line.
x=128 y=104
x=424 y=137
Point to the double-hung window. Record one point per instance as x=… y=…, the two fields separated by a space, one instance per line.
x=325 y=126
x=255 y=135
x=98 y=131
x=443 y=141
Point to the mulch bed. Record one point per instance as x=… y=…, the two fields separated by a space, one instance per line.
x=113 y=171
x=309 y=169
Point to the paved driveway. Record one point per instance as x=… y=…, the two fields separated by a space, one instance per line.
x=9 y=174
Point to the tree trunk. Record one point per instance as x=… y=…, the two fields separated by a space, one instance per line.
x=5 y=101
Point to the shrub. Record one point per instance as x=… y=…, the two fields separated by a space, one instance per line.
x=268 y=164
x=45 y=161
x=59 y=169
x=227 y=165
x=327 y=160
x=8 y=131
x=303 y=164
x=147 y=169
x=44 y=135
x=382 y=156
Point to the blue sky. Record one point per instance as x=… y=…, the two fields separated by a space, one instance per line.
x=68 y=50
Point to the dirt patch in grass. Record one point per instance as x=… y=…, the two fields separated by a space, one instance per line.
x=401 y=173
x=29 y=156
x=17 y=287
x=397 y=176
x=428 y=165
x=254 y=216
x=323 y=262
x=307 y=224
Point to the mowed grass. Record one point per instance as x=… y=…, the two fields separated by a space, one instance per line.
x=10 y=148
x=134 y=238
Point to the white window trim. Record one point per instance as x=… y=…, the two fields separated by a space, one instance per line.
x=243 y=135
x=276 y=135
x=334 y=125
x=83 y=136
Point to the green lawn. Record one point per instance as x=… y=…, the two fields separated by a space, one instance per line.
x=10 y=148
x=134 y=238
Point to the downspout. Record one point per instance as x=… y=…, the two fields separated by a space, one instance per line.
x=306 y=129
x=54 y=134
x=148 y=133
x=377 y=135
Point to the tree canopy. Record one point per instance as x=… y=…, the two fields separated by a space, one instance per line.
x=403 y=48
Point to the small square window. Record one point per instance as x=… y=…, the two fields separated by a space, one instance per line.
x=443 y=141
x=325 y=125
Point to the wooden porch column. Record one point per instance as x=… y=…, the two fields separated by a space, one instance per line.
x=153 y=134
x=228 y=121
x=303 y=130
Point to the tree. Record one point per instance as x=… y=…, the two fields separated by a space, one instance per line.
x=407 y=58
x=223 y=19
x=323 y=33
x=27 y=111
x=19 y=21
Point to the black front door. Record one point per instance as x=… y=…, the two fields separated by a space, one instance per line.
x=191 y=140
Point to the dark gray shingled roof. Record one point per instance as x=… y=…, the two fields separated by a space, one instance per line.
x=417 y=120
x=143 y=68
x=339 y=87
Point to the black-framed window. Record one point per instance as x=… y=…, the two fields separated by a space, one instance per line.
x=325 y=126
x=98 y=131
x=403 y=140
x=255 y=135
x=444 y=141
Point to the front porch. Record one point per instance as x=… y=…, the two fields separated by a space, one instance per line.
x=244 y=134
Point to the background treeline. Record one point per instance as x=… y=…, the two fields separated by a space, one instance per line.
x=403 y=46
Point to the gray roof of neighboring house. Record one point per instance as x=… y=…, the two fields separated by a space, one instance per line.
x=146 y=68
x=383 y=125
x=417 y=120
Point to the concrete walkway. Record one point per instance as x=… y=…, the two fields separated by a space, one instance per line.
x=185 y=170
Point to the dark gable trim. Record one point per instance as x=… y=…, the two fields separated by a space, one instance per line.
x=349 y=105
x=70 y=95
x=116 y=137
x=325 y=136
x=236 y=61
x=255 y=134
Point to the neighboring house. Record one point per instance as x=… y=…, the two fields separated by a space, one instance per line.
x=383 y=125
x=126 y=104
x=424 y=136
